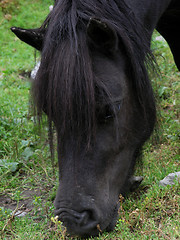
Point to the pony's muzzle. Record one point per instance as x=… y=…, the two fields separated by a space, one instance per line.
x=82 y=224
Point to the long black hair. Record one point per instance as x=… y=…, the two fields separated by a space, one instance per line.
x=65 y=86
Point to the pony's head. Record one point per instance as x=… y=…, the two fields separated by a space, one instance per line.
x=93 y=85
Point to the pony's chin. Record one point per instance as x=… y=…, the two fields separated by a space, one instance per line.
x=110 y=227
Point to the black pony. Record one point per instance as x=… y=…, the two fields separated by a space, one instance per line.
x=93 y=84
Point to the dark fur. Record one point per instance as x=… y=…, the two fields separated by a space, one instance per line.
x=66 y=87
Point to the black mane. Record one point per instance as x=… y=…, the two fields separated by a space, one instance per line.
x=65 y=86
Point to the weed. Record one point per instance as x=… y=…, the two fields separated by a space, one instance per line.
x=60 y=231
x=9 y=6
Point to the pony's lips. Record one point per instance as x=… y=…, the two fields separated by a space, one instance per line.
x=86 y=223
x=79 y=223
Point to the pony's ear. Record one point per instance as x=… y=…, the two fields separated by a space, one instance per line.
x=102 y=35
x=33 y=37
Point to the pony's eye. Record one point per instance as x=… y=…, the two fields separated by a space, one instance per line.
x=107 y=113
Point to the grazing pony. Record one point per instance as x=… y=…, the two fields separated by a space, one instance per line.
x=93 y=85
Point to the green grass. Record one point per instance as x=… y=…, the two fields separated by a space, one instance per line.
x=26 y=174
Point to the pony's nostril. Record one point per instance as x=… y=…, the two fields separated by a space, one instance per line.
x=82 y=223
x=78 y=218
x=84 y=218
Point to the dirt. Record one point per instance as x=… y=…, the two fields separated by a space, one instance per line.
x=26 y=201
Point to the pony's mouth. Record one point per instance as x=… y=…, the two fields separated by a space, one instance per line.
x=86 y=223
x=81 y=224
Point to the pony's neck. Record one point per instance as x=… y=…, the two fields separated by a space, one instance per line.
x=149 y=12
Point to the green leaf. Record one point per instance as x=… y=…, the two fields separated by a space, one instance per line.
x=161 y=91
x=11 y=166
x=27 y=153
